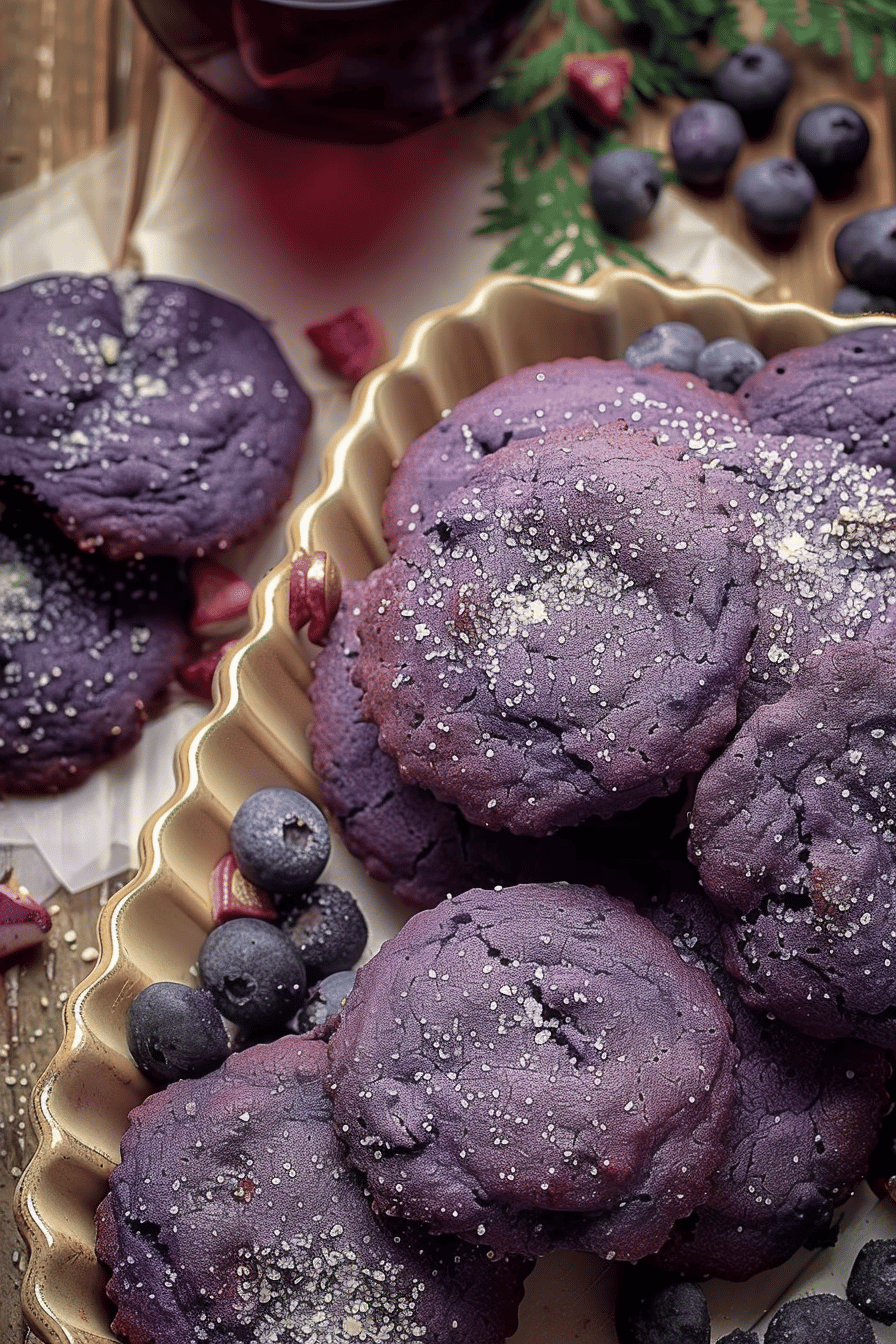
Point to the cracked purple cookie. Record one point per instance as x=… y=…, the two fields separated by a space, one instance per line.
x=234 y=1216
x=844 y=388
x=404 y=836
x=568 y=637
x=85 y=646
x=793 y=838
x=148 y=417
x=575 y=394
x=805 y=1120
x=532 y=1069
x=824 y=529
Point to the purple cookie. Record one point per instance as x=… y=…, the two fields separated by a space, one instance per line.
x=404 y=836
x=148 y=417
x=233 y=1216
x=844 y=388
x=793 y=838
x=806 y=1117
x=85 y=646
x=534 y=1068
x=567 y=639
x=569 y=393
x=824 y=530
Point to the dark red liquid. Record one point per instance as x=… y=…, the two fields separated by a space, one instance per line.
x=357 y=70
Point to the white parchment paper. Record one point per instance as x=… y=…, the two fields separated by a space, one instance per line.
x=199 y=223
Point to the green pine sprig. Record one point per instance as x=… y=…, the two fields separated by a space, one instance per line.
x=868 y=27
x=542 y=196
x=545 y=206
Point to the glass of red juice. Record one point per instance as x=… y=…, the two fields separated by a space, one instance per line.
x=362 y=71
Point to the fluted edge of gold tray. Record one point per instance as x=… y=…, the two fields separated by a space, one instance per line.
x=254 y=734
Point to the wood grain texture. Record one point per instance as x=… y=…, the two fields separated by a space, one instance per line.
x=32 y=994
x=64 y=69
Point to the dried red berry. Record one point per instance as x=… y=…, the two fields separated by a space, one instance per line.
x=598 y=84
x=315 y=591
x=351 y=343
x=23 y=921
x=219 y=594
x=235 y=897
x=197 y=677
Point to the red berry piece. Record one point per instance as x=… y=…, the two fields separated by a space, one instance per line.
x=219 y=594
x=315 y=591
x=197 y=677
x=23 y=921
x=598 y=84
x=351 y=343
x=235 y=897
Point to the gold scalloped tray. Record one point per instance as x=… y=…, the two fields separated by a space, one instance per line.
x=255 y=736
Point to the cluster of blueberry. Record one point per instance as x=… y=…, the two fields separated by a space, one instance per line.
x=654 y=1307
x=830 y=145
x=255 y=969
x=724 y=364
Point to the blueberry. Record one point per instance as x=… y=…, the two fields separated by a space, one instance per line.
x=872 y=1281
x=851 y=300
x=776 y=194
x=327 y=926
x=727 y=363
x=254 y=973
x=280 y=841
x=175 y=1031
x=705 y=139
x=625 y=185
x=755 y=81
x=831 y=140
x=673 y=344
x=865 y=249
x=654 y=1307
x=324 y=1001
x=819 y=1319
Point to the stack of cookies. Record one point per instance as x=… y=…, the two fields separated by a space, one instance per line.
x=142 y=423
x=623 y=694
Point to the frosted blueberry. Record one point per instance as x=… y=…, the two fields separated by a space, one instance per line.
x=175 y=1031
x=676 y=345
x=624 y=185
x=280 y=841
x=727 y=363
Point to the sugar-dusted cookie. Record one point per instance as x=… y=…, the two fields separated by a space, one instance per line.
x=234 y=1216
x=805 y=1120
x=149 y=417
x=568 y=393
x=567 y=638
x=85 y=645
x=844 y=388
x=425 y=848
x=792 y=834
x=532 y=1069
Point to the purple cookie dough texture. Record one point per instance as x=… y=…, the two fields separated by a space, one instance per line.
x=85 y=646
x=569 y=393
x=844 y=388
x=568 y=638
x=806 y=1116
x=233 y=1216
x=534 y=1068
x=793 y=838
x=148 y=417
x=824 y=529
x=406 y=837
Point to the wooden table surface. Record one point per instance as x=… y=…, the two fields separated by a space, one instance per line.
x=32 y=994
